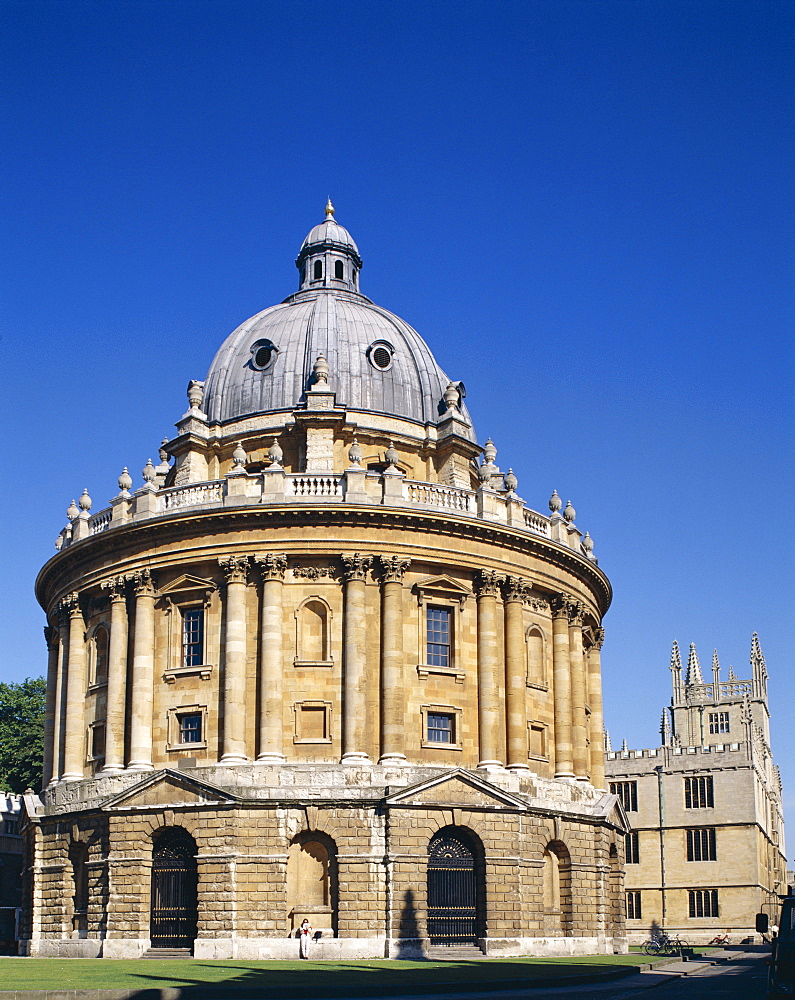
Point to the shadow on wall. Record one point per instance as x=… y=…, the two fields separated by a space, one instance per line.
x=408 y=929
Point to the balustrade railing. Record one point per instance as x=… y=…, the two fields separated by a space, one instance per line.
x=190 y=496
x=431 y=495
x=100 y=521
x=313 y=486
x=536 y=523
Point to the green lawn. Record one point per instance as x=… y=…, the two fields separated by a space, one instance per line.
x=90 y=973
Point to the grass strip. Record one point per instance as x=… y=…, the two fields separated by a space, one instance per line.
x=104 y=973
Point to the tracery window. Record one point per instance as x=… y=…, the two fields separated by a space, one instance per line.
x=634 y=911
x=627 y=791
x=703 y=903
x=631 y=848
x=701 y=844
x=718 y=722
x=699 y=793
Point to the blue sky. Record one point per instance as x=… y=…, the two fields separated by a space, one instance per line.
x=584 y=207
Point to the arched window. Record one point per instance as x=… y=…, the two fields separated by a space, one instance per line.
x=318 y=269
x=536 y=657
x=339 y=269
x=312 y=882
x=557 y=890
x=313 y=645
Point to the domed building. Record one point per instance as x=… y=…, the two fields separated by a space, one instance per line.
x=323 y=664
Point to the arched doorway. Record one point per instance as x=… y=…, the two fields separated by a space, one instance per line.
x=455 y=888
x=173 y=914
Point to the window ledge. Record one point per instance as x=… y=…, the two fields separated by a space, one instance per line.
x=320 y=739
x=96 y=686
x=172 y=673
x=182 y=747
x=537 y=687
x=313 y=663
x=424 y=669
x=441 y=746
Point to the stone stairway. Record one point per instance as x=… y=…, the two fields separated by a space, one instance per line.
x=167 y=953
x=454 y=952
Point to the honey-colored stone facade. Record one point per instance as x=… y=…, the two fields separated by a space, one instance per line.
x=311 y=615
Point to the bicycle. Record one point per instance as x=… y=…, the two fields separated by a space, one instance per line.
x=664 y=944
x=720 y=939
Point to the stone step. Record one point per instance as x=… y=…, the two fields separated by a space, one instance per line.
x=454 y=952
x=167 y=953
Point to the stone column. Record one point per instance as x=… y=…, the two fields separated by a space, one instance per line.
x=75 y=727
x=513 y=594
x=143 y=673
x=354 y=714
x=115 y=716
x=579 y=694
x=561 y=670
x=487 y=585
x=50 y=748
x=59 y=707
x=271 y=665
x=235 y=569
x=597 y=717
x=393 y=695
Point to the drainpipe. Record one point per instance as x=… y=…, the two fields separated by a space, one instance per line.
x=661 y=805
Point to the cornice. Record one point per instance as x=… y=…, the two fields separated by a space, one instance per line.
x=80 y=559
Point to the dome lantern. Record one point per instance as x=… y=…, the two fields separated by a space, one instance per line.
x=329 y=257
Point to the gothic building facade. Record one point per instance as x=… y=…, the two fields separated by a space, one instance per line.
x=324 y=663
x=706 y=850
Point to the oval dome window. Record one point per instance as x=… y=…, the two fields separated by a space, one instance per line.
x=380 y=355
x=263 y=354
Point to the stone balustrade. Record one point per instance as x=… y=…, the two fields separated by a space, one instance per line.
x=275 y=486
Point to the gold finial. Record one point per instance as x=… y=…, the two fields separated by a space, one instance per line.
x=329 y=210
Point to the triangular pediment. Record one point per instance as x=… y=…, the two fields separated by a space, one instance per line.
x=166 y=789
x=187 y=583
x=442 y=585
x=457 y=789
x=614 y=812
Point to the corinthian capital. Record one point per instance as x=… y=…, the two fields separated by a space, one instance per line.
x=393 y=568
x=70 y=605
x=115 y=586
x=560 y=606
x=576 y=612
x=597 y=636
x=143 y=583
x=50 y=636
x=487 y=583
x=272 y=565
x=514 y=589
x=234 y=568
x=354 y=567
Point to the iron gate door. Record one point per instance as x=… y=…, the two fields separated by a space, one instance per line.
x=173 y=916
x=452 y=892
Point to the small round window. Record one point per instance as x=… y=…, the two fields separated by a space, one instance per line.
x=380 y=355
x=263 y=354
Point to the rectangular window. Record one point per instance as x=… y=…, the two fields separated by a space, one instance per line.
x=10 y=827
x=718 y=722
x=631 y=850
x=440 y=728
x=627 y=791
x=190 y=728
x=633 y=905
x=703 y=902
x=701 y=844
x=192 y=637
x=698 y=793
x=437 y=650
x=98 y=742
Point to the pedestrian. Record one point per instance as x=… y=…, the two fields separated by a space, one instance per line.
x=304 y=937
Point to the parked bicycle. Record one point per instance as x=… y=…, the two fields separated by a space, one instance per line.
x=664 y=944
x=720 y=939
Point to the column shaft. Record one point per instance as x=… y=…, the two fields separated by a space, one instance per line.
x=515 y=676
x=597 y=717
x=53 y=647
x=75 y=730
x=143 y=674
x=271 y=664
x=393 y=695
x=116 y=713
x=489 y=721
x=234 y=743
x=579 y=730
x=59 y=707
x=354 y=713
x=564 y=762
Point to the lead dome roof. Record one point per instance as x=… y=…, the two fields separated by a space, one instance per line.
x=329 y=317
